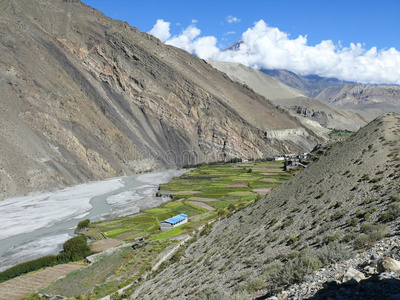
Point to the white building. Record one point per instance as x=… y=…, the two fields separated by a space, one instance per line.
x=173 y=222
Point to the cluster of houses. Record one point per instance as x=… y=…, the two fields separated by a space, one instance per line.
x=293 y=160
x=301 y=157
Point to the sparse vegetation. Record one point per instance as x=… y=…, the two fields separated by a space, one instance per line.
x=392 y=213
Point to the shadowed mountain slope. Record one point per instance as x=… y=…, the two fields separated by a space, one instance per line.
x=356 y=179
x=85 y=97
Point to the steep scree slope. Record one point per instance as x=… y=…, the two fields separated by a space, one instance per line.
x=84 y=97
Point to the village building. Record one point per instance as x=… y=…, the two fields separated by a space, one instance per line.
x=173 y=222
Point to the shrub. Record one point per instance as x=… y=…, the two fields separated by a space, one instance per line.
x=364 y=177
x=353 y=221
x=83 y=224
x=371 y=233
x=206 y=230
x=338 y=204
x=392 y=213
x=361 y=241
x=337 y=215
x=395 y=198
x=291 y=241
x=375 y=180
x=287 y=223
x=333 y=252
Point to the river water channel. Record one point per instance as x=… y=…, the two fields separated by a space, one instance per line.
x=35 y=226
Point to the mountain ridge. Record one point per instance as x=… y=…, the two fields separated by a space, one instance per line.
x=86 y=97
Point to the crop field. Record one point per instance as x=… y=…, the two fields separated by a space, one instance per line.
x=210 y=190
x=108 y=274
x=22 y=286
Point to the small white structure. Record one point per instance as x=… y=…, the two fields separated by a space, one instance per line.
x=173 y=222
x=279 y=158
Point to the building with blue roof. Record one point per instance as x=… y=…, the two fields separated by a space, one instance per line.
x=173 y=222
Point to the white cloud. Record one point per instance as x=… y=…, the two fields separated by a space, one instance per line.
x=268 y=47
x=230 y=32
x=194 y=21
x=161 y=30
x=231 y=19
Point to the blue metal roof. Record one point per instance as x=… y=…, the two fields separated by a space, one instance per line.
x=176 y=219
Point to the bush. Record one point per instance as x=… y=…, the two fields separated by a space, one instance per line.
x=83 y=224
x=291 y=241
x=332 y=253
x=353 y=221
x=361 y=241
x=371 y=233
x=392 y=213
x=338 y=204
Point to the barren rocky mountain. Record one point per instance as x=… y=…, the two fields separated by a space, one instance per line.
x=84 y=97
x=348 y=199
x=306 y=84
x=369 y=101
x=310 y=111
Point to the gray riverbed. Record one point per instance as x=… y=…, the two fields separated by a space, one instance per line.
x=35 y=226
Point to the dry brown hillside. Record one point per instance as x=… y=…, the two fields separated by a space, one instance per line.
x=85 y=97
x=348 y=199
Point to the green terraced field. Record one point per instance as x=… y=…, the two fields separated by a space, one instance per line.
x=226 y=187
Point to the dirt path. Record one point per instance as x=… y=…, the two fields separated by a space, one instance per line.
x=189 y=192
x=237 y=185
x=268 y=180
x=23 y=286
x=202 y=199
x=202 y=205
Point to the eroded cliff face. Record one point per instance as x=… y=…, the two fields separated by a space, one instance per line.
x=84 y=97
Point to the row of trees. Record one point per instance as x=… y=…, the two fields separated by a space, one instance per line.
x=74 y=249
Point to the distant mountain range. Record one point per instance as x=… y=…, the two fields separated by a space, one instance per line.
x=369 y=101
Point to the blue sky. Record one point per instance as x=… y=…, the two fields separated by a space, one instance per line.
x=370 y=23
x=375 y=23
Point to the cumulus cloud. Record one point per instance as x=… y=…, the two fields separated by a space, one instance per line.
x=267 y=47
x=231 y=19
x=161 y=30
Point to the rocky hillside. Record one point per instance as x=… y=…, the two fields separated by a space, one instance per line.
x=311 y=112
x=346 y=200
x=84 y=97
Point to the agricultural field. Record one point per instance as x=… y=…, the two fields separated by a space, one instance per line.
x=109 y=273
x=22 y=286
x=203 y=194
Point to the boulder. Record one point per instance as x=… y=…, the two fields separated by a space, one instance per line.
x=353 y=274
x=387 y=264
